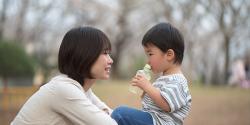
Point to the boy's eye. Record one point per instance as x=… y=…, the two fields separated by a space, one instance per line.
x=150 y=54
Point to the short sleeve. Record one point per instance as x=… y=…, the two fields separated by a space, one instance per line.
x=174 y=95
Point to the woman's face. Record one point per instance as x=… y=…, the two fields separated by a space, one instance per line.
x=101 y=68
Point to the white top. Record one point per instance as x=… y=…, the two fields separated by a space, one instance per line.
x=174 y=89
x=63 y=101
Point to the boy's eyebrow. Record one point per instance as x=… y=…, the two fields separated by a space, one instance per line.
x=148 y=50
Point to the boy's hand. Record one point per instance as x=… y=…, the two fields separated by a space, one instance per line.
x=140 y=81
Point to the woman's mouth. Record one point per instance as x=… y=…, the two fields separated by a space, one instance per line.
x=107 y=69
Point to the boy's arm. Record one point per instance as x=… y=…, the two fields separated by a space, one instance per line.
x=153 y=93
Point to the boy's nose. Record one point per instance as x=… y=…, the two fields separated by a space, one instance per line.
x=148 y=62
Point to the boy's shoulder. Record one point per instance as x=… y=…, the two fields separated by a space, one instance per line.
x=171 y=78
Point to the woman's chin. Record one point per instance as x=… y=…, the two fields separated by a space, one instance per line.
x=105 y=77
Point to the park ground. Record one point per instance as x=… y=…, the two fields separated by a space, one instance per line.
x=211 y=105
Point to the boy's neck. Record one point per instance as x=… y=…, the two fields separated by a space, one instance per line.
x=175 y=69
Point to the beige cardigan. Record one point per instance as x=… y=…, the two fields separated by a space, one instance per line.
x=62 y=101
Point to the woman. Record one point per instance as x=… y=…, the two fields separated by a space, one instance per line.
x=68 y=99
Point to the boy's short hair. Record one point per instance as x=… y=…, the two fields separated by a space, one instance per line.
x=79 y=50
x=165 y=37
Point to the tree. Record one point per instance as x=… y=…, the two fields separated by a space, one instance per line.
x=21 y=20
x=229 y=17
x=122 y=36
x=14 y=62
x=5 y=3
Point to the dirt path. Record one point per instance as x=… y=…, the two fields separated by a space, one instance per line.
x=220 y=106
x=210 y=105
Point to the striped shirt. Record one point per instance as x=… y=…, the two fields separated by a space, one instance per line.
x=174 y=89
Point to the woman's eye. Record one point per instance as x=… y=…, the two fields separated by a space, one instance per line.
x=105 y=52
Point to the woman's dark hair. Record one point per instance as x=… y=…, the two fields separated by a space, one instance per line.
x=79 y=50
x=165 y=37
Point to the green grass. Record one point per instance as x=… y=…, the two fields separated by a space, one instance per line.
x=210 y=105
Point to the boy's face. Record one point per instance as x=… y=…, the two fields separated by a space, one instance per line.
x=157 y=59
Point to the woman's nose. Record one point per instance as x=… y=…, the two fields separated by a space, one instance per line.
x=110 y=59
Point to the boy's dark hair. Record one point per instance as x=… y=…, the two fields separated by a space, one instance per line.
x=165 y=37
x=79 y=50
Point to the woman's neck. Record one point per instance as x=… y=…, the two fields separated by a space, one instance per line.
x=87 y=84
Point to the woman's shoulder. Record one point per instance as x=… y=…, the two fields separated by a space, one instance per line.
x=64 y=87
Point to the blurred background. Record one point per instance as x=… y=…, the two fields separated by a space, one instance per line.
x=216 y=61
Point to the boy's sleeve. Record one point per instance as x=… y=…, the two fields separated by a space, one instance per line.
x=174 y=95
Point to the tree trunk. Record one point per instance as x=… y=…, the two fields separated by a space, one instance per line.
x=117 y=57
x=115 y=67
x=5 y=85
x=5 y=94
x=3 y=16
x=21 y=20
x=227 y=58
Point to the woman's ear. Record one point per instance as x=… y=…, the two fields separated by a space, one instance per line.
x=170 y=54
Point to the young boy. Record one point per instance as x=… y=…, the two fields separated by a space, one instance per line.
x=167 y=101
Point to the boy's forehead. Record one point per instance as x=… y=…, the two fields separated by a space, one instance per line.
x=149 y=46
x=146 y=48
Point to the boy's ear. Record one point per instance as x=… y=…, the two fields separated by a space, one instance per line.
x=170 y=54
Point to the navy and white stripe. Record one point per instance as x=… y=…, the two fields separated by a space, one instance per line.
x=174 y=89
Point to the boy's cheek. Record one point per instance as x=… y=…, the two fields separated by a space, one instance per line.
x=155 y=72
